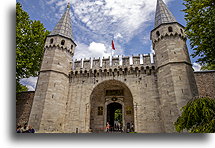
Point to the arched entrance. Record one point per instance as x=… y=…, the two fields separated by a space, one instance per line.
x=111 y=101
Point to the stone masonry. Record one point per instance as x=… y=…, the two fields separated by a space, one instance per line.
x=205 y=81
x=24 y=103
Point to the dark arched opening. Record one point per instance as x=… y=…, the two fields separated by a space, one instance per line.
x=110 y=101
x=114 y=116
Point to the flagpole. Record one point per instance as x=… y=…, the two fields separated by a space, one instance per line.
x=111 y=57
x=113 y=48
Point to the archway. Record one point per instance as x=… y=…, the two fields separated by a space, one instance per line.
x=111 y=101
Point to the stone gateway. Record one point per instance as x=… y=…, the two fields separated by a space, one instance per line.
x=85 y=95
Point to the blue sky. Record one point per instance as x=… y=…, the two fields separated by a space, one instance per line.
x=96 y=23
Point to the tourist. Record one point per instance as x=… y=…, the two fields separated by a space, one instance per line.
x=132 y=127
x=24 y=128
x=107 y=127
x=18 y=129
x=30 y=129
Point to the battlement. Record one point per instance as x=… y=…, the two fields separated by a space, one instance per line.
x=119 y=65
x=114 y=62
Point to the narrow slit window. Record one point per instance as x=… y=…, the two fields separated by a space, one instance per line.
x=51 y=41
x=170 y=29
x=158 y=33
x=62 y=42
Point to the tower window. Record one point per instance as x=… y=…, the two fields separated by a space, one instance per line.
x=181 y=31
x=62 y=42
x=158 y=33
x=51 y=41
x=71 y=46
x=170 y=29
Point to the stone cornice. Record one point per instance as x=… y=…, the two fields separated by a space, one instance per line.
x=54 y=71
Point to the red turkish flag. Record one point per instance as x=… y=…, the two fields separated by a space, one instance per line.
x=113 y=45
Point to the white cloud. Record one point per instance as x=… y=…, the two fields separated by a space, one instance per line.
x=99 y=2
x=113 y=16
x=93 y=50
x=118 y=36
x=51 y=2
x=100 y=21
x=96 y=50
x=196 y=67
x=108 y=17
x=30 y=83
x=30 y=88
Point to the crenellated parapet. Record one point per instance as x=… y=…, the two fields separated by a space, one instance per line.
x=60 y=42
x=115 y=66
x=167 y=30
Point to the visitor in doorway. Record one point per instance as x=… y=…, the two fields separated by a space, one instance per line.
x=18 y=129
x=120 y=127
x=24 y=129
x=132 y=127
x=117 y=125
x=128 y=127
x=30 y=129
x=107 y=127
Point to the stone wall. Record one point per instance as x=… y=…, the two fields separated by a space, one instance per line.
x=143 y=106
x=24 y=103
x=140 y=81
x=205 y=81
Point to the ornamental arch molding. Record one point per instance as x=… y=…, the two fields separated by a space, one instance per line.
x=104 y=94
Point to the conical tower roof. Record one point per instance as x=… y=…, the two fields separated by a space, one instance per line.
x=163 y=15
x=64 y=26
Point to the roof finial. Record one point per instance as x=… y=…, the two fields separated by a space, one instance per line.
x=68 y=5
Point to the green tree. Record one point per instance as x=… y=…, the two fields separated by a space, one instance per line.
x=30 y=36
x=118 y=115
x=198 y=116
x=200 y=17
x=208 y=67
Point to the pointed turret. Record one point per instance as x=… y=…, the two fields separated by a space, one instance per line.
x=53 y=81
x=175 y=77
x=163 y=15
x=64 y=26
x=62 y=34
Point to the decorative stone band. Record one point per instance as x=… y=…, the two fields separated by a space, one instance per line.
x=67 y=75
x=69 y=51
x=167 y=30
x=174 y=63
x=114 y=72
x=169 y=35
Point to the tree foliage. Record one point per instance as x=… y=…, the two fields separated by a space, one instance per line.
x=208 y=67
x=198 y=116
x=20 y=87
x=118 y=115
x=30 y=36
x=200 y=17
